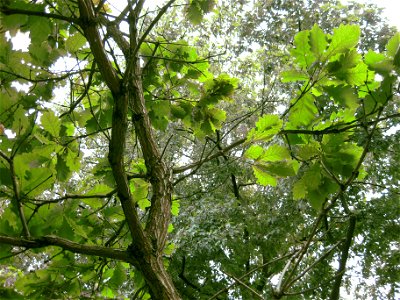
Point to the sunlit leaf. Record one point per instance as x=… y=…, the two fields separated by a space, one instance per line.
x=51 y=123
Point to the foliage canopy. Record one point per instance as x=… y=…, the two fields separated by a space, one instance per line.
x=139 y=160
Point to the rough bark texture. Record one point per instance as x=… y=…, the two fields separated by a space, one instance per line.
x=149 y=243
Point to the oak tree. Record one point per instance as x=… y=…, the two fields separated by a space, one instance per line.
x=140 y=159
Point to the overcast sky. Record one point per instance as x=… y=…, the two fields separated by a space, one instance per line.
x=391 y=9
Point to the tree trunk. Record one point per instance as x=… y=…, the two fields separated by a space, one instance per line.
x=147 y=244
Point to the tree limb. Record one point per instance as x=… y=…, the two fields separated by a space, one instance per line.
x=51 y=240
x=335 y=294
x=15 y=11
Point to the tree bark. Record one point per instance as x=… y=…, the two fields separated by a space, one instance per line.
x=149 y=243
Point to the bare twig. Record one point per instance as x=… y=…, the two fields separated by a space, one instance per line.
x=239 y=281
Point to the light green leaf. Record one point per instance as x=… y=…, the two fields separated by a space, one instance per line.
x=312 y=177
x=299 y=190
x=275 y=153
x=354 y=76
x=308 y=151
x=318 y=41
x=76 y=228
x=350 y=59
x=40 y=53
x=254 y=152
x=175 y=207
x=143 y=203
x=21 y=121
x=344 y=95
x=100 y=189
x=51 y=123
x=37 y=180
x=282 y=168
x=108 y=293
x=75 y=42
x=263 y=177
x=294 y=75
x=344 y=37
x=302 y=51
x=139 y=189
x=118 y=277
x=304 y=111
x=372 y=58
x=94 y=203
x=40 y=29
x=267 y=127
x=73 y=160
x=393 y=45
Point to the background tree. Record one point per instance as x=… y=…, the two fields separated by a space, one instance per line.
x=152 y=122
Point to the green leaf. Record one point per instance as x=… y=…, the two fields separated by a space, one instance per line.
x=266 y=128
x=316 y=199
x=5 y=177
x=75 y=42
x=194 y=13
x=302 y=51
x=73 y=160
x=340 y=156
x=263 y=177
x=94 y=203
x=318 y=42
x=118 y=277
x=159 y=111
x=294 y=75
x=197 y=8
x=51 y=123
x=299 y=189
x=108 y=293
x=37 y=180
x=254 y=152
x=40 y=29
x=275 y=153
x=77 y=229
x=378 y=62
x=63 y=172
x=282 y=168
x=344 y=38
x=175 y=207
x=308 y=151
x=393 y=45
x=303 y=112
x=344 y=95
x=13 y=22
x=100 y=189
x=354 y=76
x=40 y=53
x=139 y=189
x=21 y=122
x=312 y=177
x=143 y=203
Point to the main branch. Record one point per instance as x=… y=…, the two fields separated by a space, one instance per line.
x=51 y=240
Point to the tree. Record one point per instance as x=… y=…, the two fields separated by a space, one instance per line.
x=90 y=181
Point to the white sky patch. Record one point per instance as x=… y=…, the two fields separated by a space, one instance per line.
x=391 y=9
x=20 y=41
